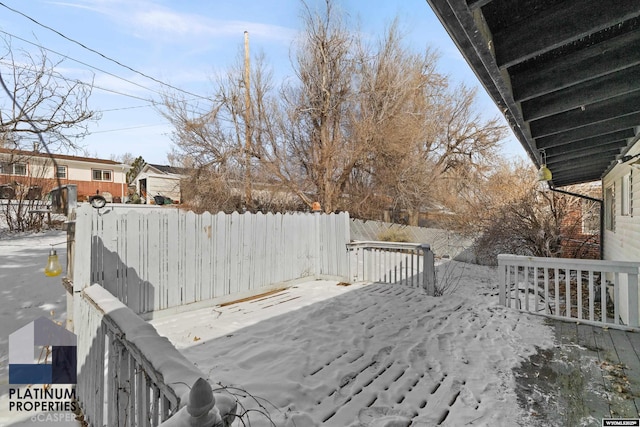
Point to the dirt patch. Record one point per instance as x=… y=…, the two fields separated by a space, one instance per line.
x=569 y=385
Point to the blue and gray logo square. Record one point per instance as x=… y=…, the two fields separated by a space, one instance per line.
x=42 y=352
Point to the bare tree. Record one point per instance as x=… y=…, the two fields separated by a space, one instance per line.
x=317 y=141
x=520 y=216
x=27 y=180
x=210 y=139
x=41 y=107
x=376 y=124
x=47 y=102
x=422 y=131
x=361 y=127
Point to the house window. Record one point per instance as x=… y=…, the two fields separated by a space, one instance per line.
x=13 y=169
x=102 y=175
x=625 y=195
x=61 y=172
x=609 y=208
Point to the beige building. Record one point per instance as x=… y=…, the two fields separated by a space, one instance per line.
x=23 y=170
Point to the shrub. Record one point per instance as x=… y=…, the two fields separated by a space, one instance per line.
x=393 y=235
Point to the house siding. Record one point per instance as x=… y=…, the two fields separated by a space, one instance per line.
x=41 y=172
x=623 y=243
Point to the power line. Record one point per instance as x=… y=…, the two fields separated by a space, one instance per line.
x=92 y=85
x=129 y=128
x=151 y=102
x=126 y=108
x=102 y=55
x=80 y=62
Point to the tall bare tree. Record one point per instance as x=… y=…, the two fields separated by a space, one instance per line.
x=418 y=129
x=52 y=104
x=211 y=138
x=361 y=127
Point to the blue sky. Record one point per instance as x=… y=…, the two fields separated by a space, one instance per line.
x=184 y=44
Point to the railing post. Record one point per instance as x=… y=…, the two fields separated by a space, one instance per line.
x=204 y=409
x=317 y=250
x=81 y=272
x=632 y=298
x=67 y=282
x=502 y=283
x=349 y=255
x=428 y=270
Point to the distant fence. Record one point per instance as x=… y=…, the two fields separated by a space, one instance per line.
x=443 y=242
x=155 y=259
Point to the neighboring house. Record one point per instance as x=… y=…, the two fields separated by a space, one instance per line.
x=580 y=227
x=35 y=170
x=162 y=180
x=565 y=76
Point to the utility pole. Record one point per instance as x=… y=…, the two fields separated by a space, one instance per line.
x=247 y=125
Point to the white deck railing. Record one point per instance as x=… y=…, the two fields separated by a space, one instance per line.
x=597 y=292
x=128 y=375
x=389 y=262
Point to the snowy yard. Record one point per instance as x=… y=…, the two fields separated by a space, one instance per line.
x=26 y=295
x=360 y=355
x=368 y=355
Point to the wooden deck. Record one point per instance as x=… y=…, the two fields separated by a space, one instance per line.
x=592 y=373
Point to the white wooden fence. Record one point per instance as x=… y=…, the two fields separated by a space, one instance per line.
x=409 y=264
x=128 y=263
x=596 y=292
x=156 y=259
x=128 y=375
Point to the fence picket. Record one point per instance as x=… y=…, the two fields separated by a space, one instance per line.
x=191 y=253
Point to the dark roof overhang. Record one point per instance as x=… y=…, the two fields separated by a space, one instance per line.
x=565 y=74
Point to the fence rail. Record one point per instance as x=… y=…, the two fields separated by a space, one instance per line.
x=409 y=264
x=598 y=292
x=128 y=374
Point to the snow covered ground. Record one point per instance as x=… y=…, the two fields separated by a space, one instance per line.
x=323 y=354
x=367 y=355
x=28 y=294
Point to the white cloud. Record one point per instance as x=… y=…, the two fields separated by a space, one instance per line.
x=150 y=20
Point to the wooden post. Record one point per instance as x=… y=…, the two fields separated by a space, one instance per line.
x=81 y=267
x=502 y=292
x=204 y=408
x=632 y=296
x=247 y=124
x=67 y=282
x=316 y=246
x=429 y=270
